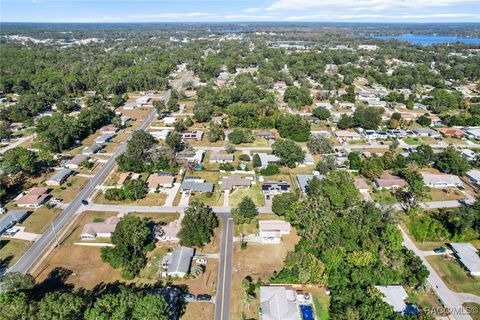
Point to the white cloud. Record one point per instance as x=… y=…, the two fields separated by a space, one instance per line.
x=246 y=17
x=384 y=18
x=173 y=16
x=252 y=10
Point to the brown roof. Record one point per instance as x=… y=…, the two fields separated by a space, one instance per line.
x=360 y=184
x=388 y=181
x=155 y=180
x=122 y=178
x=33 y=196
x=221 y=156
x=235 y=181
x=103 y=227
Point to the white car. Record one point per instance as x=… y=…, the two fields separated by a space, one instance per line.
x=202 y=261
x=11 y=232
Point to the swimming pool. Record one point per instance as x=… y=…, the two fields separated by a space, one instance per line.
x=307 y=312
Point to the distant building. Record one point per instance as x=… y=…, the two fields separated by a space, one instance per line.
x=109 y=129
x=170 y=231
x=278 y=303
x=143 y=100
x=160 y=135
x=196 y=135
x=304 y=179
x=468 y=256
x=474 y=176
x=267 y=159
x=76 y=161
x=191 y=184
x=265 y=134
x=473 y=133
x=94 y=148
x=395 y=296
x=156 y=181
x=345 y=136
x=94 y=230
x=58 y=177
x=422 y=132
x=104 y=138
x=221 y=157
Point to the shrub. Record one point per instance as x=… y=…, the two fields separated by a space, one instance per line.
x=270 y=170
x=244 y=157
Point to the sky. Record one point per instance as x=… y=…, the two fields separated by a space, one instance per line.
x=240 y=10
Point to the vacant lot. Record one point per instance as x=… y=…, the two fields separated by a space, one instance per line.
x=152 y=199
x=252 y=227
x=199 y=310
x=40 y=219
x=259 y=262
x=456 y=278
x=209 y=198
x=253 y=192
x=11 y=250
x=445 y=194
x=70 y=188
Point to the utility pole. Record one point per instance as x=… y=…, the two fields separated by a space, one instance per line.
x=56 y=237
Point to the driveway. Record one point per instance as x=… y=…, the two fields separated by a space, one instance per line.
x=171 y=194
x=22 y=235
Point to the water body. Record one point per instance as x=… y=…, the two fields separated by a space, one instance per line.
x=427 y=40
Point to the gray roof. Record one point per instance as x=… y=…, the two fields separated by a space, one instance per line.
x=92 y=149
x=78 y=159
x=191 y=185
x=59 y=175
x=180 y=260
x=303 y=180
x=468 y=256
x=104 y=138
x=394 y=296
x=10 y=218
x=265 y=158
x=278 y=303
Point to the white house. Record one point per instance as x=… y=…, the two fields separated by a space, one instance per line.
x=278 y=303
x=267 y=159
x=468 y=256
x=271 y=231
x=441 y=180
x=394 y=296
x=94 y=230
x=160 y=135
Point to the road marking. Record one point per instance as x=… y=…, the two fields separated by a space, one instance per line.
x=224 y=267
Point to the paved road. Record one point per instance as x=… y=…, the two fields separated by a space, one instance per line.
x=27 y=261
x=452 y=300
x=160 y=209
x=222 y=302
x=16 y=143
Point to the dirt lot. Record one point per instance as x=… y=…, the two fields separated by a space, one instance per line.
x=259 y=262
x=152 y=199
x=199 y=311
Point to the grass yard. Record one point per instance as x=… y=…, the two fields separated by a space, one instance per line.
x=424 y=299
x=321 y=302
x=11 y=250
x=429 y=140
x=473 y=310
x=40 y=219
x=253 y=192
x=258 y=261
x=456 y=278
x=252 y=228
x=383 y=197
x=356 y=142
x=70 y=188
x=152 y=199
x=209 y=198
x=445 y=194
x=413 y=141
x=158 y=217
x=151 y=273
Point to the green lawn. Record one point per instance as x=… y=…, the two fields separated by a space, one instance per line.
x=473 y=310
x=253 y=192
x=151 y=273
x=11 y=251
x=412 y=141
x=322 y=303
x=210 y=198
x=251 y=228
x=383 y=197
x=456 y=278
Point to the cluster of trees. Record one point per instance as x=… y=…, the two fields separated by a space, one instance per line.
x=293 y=127
x=197 y=225
x=368 y=118
x=22 y=298
x=61 y=132
x=342 y=239
x=144 y=154
x=245 y=211
x=455 y=225
x=131 y=240
x=297 y=97
x=238 y=136
x=131 y=190
x=289 y=152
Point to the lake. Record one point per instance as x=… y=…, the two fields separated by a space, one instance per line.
x=426 y=40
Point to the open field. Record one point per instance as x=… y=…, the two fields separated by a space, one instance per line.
x=11 y=250
x=199 y=310
x=70 y=188
x=151 y=199
x=252 y=228
x=456 y=278
x=40 y=219
x=259 y=262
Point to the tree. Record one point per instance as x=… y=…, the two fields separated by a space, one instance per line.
x=269 y=170
x=18 y=160
x=135 y=157
x=424 y=121
x=415 y=182
x=293 y=127
x=256 y=160
x=372 y=168
x=245 y=211
x=281 y=203
x=174 y=141
x=130 y=238
x=58 y=132
x=452 y=161
x=326 y=164
x=215 y=133
x=61 y=306
x=423 y=155
x=308 y=268
x=238 y=136
x=202 y=111
x=321 y=113
x=150 y=307
x=66 y=106
x=160 y=106
x=4 y=131
x=319 y=145
x=368 y=118
x=297 y=96
x=16 y=281
x=355 y=161
x=288 y=151
x=345 y=122
x=339 y=190
x=197 y=225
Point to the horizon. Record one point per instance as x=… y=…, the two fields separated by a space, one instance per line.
x=243 y=11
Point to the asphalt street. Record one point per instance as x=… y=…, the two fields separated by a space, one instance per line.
x=222 y=302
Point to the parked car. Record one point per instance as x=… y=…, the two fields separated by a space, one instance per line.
x=439 y=250
x=84 y=202
x=11 y=232
x=204 y=297
x=188 y=297
x=202 y=261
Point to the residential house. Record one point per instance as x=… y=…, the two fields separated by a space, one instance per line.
x=271 y=231
x=304 y=179
x=170 y=231
x=109 y=129
x=190 y=156
x=469 y=154
x=94 y=230
x=345 y=136
x=124 y=120
x=33 y=198
x=266 y=159
x=196 y=135
x=346 y=105
x=279 y=85
x=473 y=133
x=265 y=134
x=94 y=148
x=221 y=157
x=308 y=160
x=58 y=177
x=196 y=184
x=274 y=188
x=395 y=296
x=129 y=106
x=422 y=132
x=179 y=262
x=467 y=254
x=235 y=181
x=278 y=303
x=104 y=138
x=123 y=176
x=160 y=135
x=326 y=105
x=441 y=180
x=156 y=181
x=452 y=132
x=76 y=161
x=9 y=219
x=389 y=181
x=169 y=121
x=143 y=100
x=474 y=176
